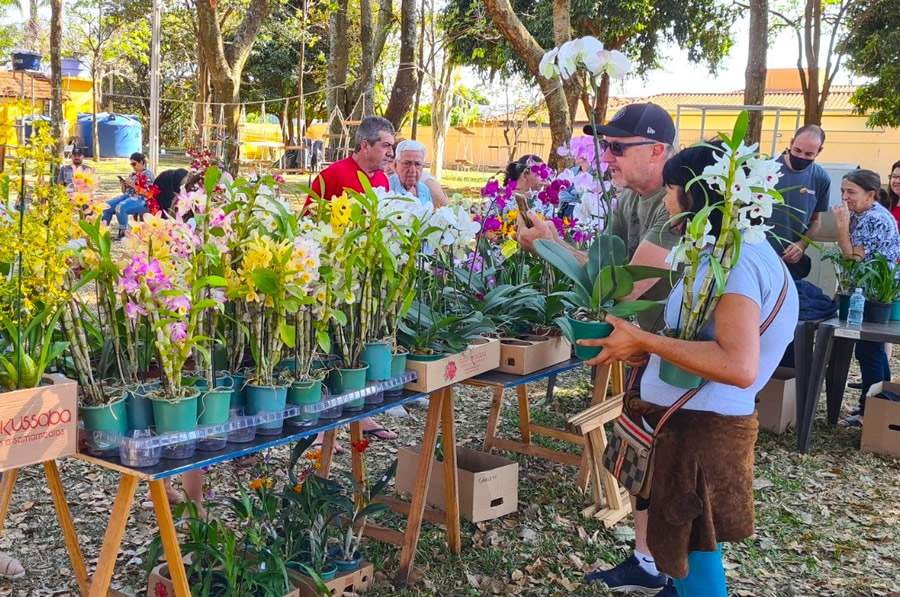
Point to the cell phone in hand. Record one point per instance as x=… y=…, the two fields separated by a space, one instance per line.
x=523 y=210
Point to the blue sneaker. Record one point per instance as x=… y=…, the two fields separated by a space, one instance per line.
x=668 y=590
x=629 y=577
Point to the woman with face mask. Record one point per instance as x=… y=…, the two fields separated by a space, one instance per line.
x=865 y=229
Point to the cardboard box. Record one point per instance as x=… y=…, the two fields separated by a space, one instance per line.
x=159 y=584
x=881 y=425
x=776 y=403
x=482 y=355
x=488 y=484
x=354 y=582
x=523 y=356
x=38 y=424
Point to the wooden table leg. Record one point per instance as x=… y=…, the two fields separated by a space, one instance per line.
x=490 y=431
x=804 y=334
x=524 y=414
x=423 y=477
x=551 y=384
x=327 y=453
x=451 y=480
x=601 y=385
x=169 y=538
x=112 y=540
x=7 y=483
x=65 y=522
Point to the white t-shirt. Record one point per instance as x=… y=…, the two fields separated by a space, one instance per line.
x=759 y=276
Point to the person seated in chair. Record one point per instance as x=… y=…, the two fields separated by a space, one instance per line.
x=132 y=201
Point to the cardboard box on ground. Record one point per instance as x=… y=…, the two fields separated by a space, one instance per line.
x=881 y=425
x=488 y=484
x=776 y=403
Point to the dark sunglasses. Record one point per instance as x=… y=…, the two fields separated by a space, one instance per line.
x=617 y=148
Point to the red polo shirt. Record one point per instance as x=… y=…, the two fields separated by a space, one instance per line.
x=343 y=174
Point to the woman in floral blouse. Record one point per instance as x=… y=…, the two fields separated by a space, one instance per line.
x=865 y=229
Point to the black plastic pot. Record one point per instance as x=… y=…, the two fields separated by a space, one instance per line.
x=877 y=312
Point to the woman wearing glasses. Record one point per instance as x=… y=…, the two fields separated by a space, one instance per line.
x=131 y=202
x=893 y=192
x=409 y=176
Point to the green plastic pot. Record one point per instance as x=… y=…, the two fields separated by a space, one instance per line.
x=425 y=358
x=378 y=356
x=266 y=399
x=304 y=393
x=588 y=330
x=175 y=415
x=238 y=390
x=214 y=407
x=895 y=311
x=139 y=407
x=678 y=377
x=343 y=381
x=110 y=418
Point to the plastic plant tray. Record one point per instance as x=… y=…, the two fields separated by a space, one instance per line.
x=144 y=445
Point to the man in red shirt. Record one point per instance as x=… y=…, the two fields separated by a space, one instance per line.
x=374 y=150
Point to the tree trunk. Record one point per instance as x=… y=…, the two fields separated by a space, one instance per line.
x=812 y=28
x=524 y=44
x=441 y=104
x=406 y=83
x=601 y=102
x=226 y=64
x=426 y=9
x=336 y=75
x=60 y=131
x=95 y=100
x=364 y=94
x=755 y=74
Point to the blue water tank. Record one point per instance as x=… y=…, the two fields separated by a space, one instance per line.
x=73 y=67
x=26 y=60
x=120 y=134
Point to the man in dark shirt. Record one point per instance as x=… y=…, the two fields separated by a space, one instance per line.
x=805 y=187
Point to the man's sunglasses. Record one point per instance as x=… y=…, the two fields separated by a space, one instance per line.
x=617 y=148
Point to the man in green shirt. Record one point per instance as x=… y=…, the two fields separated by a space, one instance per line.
x=636 y=143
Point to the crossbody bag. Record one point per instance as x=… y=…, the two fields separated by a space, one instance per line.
x=629 y=455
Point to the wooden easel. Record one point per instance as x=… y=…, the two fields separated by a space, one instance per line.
x=610 y=502
x=62 y=513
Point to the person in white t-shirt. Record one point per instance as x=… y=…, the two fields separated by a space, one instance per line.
x=702 y=490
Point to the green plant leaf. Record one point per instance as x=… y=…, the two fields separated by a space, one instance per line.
x=288 y=334
x=740 y=129
x=266 y=280
x=560 y=258
x=629 y=308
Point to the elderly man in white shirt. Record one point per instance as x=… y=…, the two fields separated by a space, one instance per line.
x=410 y=178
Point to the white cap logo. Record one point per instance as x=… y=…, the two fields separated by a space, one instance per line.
x=650 y=130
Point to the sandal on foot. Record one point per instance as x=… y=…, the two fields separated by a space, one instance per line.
x=381 y=433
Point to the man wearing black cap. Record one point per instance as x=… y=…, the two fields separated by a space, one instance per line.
x=636 y=144
x=66 y=173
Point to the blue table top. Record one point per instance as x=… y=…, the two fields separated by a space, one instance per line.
x=170 y=468
x=510 y=380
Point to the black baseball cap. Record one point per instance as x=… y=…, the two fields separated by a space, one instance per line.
x=638 y=120
x=77 y=151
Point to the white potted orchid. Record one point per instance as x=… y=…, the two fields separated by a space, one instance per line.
x=743 y=186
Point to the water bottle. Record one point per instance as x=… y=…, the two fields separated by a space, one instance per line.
x=857 y=305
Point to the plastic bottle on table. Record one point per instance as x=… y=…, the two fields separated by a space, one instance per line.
x=855 y=311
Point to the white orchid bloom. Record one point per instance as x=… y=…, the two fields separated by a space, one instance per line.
x=591 y=54
x=756 y=234
x=615 y=64
x=740 y=188
x=563 y=151
x=567 y=58
x=764 y=173
x=548 y=68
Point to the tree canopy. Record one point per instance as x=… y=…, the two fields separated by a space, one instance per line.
x=873 y=48
x=637 y=27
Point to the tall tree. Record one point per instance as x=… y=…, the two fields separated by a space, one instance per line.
x=873 y=49
x=226 y=63
x=406 y=83
x=638 y=28
x=56 y=114
x=528 y=49
x=755 y=74
x=811 y=22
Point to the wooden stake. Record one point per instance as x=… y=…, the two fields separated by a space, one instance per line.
x=112 y=540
